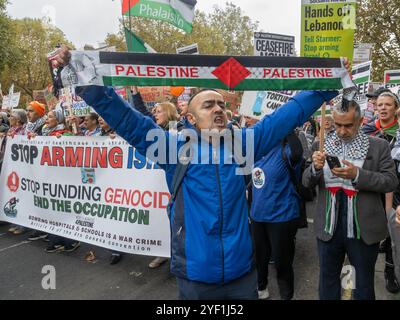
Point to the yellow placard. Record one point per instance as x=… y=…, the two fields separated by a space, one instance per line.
x=327 y=28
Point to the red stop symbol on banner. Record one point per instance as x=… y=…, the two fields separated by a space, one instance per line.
x=13 y=182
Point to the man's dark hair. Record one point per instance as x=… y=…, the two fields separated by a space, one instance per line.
x=339 y=107
x=94 y=116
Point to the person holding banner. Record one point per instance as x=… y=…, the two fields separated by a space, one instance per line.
x=55 y=127
x=92 y=125
x=18 y=121
x=211 y=247
x=36 y=113
x=351 y=174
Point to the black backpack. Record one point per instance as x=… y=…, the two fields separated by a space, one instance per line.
x=306 y=194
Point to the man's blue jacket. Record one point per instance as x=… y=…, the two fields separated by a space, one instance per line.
x=210 y=237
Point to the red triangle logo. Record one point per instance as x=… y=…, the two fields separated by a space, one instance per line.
x=231 y=72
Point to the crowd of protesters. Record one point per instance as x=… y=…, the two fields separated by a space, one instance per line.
x=356 y=203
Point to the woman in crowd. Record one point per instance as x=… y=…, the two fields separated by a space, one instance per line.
x=55 y=127
x=386 y=125
x=18 y=122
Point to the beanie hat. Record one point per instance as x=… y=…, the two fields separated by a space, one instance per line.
x=40 y=108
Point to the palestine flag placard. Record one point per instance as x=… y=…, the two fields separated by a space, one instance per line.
x=362 y=72
x=361 y=77
x=392 y=76
x=219 y=72
x=179 y=13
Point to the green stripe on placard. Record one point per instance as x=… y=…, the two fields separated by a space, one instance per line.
x=160 y=11
x=396 y=81
x=318 y=113
x=293 y=84
x=361 y=80
x=128 y=81
x=250 y=84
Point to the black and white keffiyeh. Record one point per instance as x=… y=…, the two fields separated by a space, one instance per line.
x=355 y=152
x=357 y=149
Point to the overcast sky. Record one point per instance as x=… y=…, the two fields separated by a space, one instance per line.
x=89 y=21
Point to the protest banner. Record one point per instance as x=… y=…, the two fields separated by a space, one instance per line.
x=121 y=91
x=191 y=49
x=11 y=101
x=271 y=44
x=219 y=72
x=392 y=77
x=186 y=95
x=179 y=13
x=362 y=52
x=396 y=90
x=135 y=43
x=261 y=103
x=46 y=97
x=327 y=28
x=153 y=95
x=39 y=96
x=361 y=77
x=231 y=98
x=369 y=111
x=79 y=107
x=97 y=192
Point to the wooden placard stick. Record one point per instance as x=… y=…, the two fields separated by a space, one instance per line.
x=322 y=128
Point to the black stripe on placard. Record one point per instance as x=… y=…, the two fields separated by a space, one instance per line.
x=361 y=70
x=189 y=51
x=394 y=74
x=215 y=61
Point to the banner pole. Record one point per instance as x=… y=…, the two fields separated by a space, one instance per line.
x=69 y=107
x=322 y=129
x=130 y=23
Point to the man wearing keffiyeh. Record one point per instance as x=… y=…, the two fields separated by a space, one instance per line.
x=350 y=215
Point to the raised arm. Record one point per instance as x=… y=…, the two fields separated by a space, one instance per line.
x=272 y=129
x=119 y=114
x=138 y=104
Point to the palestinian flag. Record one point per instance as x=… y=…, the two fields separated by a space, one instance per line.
x=135 y=44
x=392 y=76
x=362 y=72
x=219 y=72
x=179 y=13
